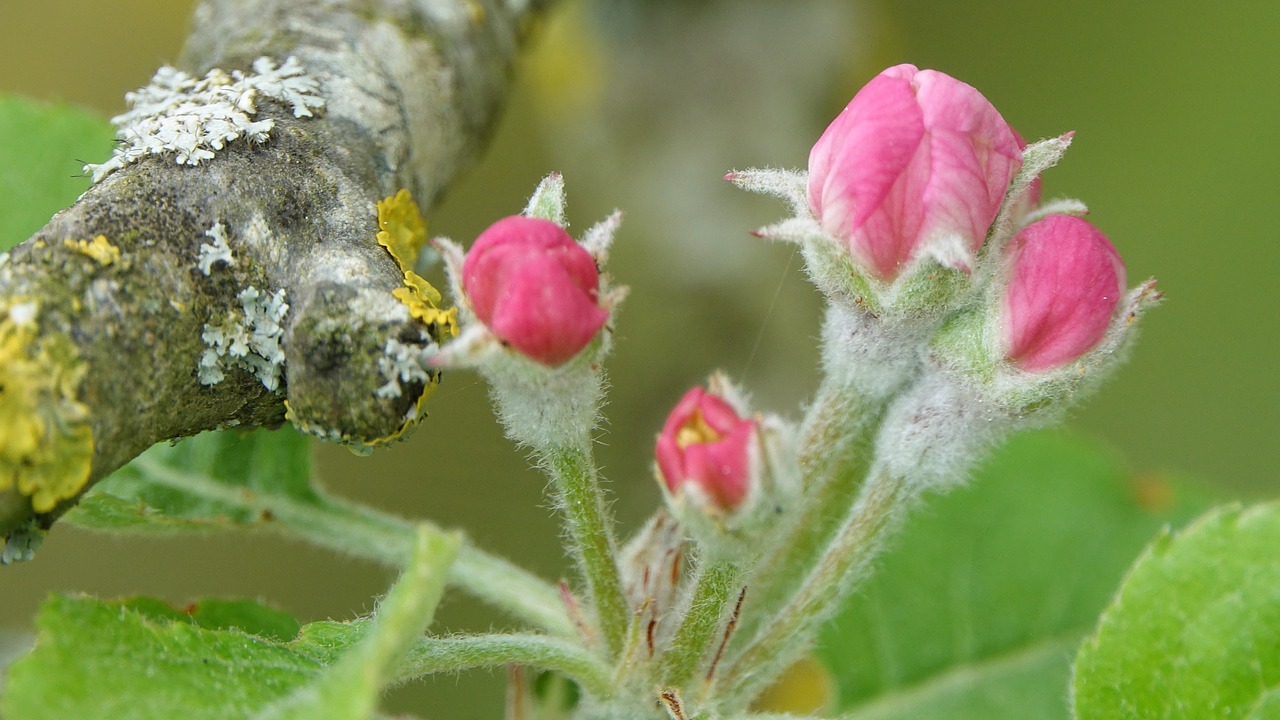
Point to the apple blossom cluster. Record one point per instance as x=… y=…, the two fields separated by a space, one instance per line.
x=961 y=307
x=958 y=302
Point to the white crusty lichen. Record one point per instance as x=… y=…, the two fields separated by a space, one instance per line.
x=401 y=363
x=248 y=339
x=216 y=252
x=190 y=119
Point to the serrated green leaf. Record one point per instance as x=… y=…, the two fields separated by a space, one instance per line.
x=213 y=479
x=246 y=616
x=1195 y=630
x=143 y=659
x=976 y=610
x=96 y=659
x=215 y=614
x=42 y=151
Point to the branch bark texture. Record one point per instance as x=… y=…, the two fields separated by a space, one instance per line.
x=108 y=315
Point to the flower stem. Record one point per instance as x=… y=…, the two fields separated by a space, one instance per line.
x=834 y=450
x=717 y=585
x=836 y=430
x=880 y=507
x=362 y=531
x=578 y=495
x=454 y=654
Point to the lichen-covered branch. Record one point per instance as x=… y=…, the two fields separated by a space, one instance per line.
x=246 y=255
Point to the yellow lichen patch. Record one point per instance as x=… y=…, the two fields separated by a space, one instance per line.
x=402 y=230
x=100 y=249
x=444 y=322
x=423 y=302
x=422 y=289
x=46 y=442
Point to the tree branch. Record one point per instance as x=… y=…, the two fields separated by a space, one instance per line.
x=203 y=283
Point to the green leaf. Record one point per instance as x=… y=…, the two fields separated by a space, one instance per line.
x=42 y=151
x=96 y=659
x=978 y=607
x=213 y=479
x=213 y=614
x=143 y=659
x=1195 y=630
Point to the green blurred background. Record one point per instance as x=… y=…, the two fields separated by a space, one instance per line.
x=644 y=105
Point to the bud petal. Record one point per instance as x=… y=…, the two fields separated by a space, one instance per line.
x=708 y=450
x=535 y=288
x=917 y=159
x=1066 y=280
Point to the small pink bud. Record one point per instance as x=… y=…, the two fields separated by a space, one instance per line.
x=915 y=157
x=707 y=448
x=1065 y=282
x=535 y=288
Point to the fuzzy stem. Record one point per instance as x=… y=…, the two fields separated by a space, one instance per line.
x=364 y=532
x=834 y=448
x=577 y=487
x=836 y=431
x=880 y=508
x=454 y=654
x=717 y=584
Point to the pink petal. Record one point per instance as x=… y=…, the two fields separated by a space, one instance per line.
x=1065 y=283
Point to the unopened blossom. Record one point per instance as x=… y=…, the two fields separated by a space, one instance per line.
x=709 y=451
x=1065 y=281
x=917 y=164
x=535 y=288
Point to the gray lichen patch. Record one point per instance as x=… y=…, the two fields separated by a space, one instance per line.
x=248 y=339
x=191 y=119
x=405 y=363
x=216 y=252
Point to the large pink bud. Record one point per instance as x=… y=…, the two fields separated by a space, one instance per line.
x=706 y=449
x=917 y=160
x=535 y=288
x=1066 y=280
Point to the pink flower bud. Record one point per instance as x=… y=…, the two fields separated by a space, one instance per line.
x=1065 y=282
x=917 y=158
x=534 y=288
x=706 y=448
